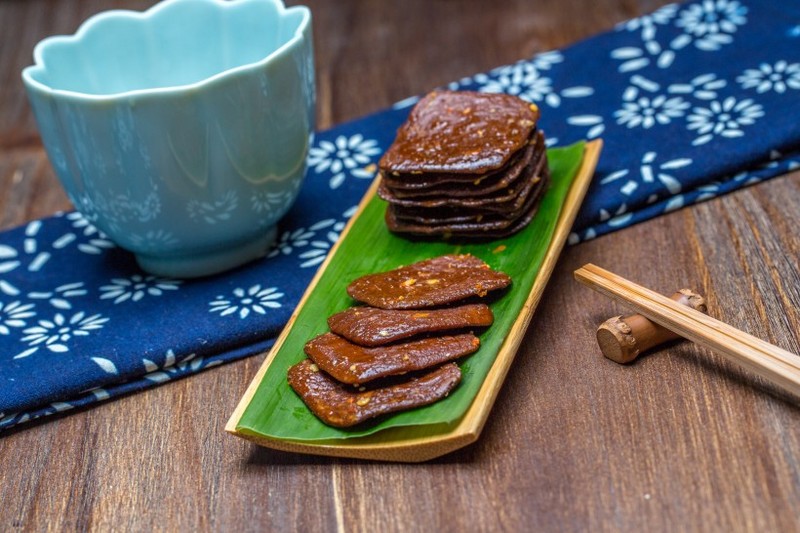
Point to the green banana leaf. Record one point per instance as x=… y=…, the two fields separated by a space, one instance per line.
x=275 y=411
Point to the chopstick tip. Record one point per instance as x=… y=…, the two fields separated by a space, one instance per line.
x=583 y=272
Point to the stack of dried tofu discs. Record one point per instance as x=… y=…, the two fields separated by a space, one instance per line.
x=396 y=351
x=466 y=165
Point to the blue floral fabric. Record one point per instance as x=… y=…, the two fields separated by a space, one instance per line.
x=692 y=101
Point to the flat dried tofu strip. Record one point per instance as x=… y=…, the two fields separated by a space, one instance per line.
x=487 y=227
x=370 y=326
x=355 y=365
x=430 y=283
x=466 y=184
x=502 y=200
x=342 y=406
x=397 y=215
x=438 y=185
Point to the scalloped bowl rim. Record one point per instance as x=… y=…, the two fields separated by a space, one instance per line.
x=141 y=17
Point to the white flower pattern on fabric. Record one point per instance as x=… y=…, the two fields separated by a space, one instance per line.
x=648 y=23
x=405 y=102
x=30 y=246
x=290 y=241
x=8 y=420
x=778 y=77
x=173 y=367
x=80 y=222
x=56 y=333
x=243 y=302
x=343 y=155
x=529 y=86
x=546 y=60
x=595 y=123
x=635 y=58
x=60 y=296
x=320 y=248
x=524 y=80
x=724 y=118
x=98 y=241
x=650 y=171
x=703 y=87
x=107 y=365
x=711 y=22
x=519 y=71
x=13 y=315
x=620 y=217
x=646 y=112
x=33 y=255
x=652 y=50
x=742 y=178
x=137 y=287
x=708 y=25
x=170 y=369
x=9 y=259
x=513 y=77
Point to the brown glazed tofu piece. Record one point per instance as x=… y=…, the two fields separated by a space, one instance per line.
x=428 y=217
x=429 y=283
x=462 y=156
x=502 y=201
x=370 y=326
x=343 y=406
x=460 y=132
x=355 y=365
x=466 y=185
x=492 y=226
x=460 y=185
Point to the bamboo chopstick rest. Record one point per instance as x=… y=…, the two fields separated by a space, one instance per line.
x=772 y=363
x=622 y=339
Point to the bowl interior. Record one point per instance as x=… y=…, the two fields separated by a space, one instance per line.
x=180 y=43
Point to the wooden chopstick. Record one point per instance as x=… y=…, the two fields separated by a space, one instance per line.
x=768 y=361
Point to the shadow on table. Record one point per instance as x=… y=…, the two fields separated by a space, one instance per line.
x=260 y=456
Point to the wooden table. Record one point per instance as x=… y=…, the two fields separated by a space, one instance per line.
x=679 y=441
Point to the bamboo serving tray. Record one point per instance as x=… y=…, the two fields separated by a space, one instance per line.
x=416 y=443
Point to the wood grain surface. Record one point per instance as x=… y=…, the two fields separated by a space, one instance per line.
x=678 y=441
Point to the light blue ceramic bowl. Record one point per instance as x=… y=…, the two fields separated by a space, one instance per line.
x=181 y=132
